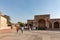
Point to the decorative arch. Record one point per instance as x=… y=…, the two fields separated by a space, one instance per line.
x=56 y=24
x=41 y=23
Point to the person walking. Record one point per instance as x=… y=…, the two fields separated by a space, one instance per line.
x=11 y=27
x=22 y=29
x=17 y=28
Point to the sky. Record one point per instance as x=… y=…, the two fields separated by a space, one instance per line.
x=22 y=10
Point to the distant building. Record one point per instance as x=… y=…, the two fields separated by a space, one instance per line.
x=45 y=21
x=3 y=22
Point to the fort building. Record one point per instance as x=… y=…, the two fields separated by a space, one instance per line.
x=45 y=21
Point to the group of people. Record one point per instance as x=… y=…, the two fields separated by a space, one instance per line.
x=17 y=27
x=22 y=28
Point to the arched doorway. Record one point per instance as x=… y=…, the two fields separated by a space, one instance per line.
x=41 y=23
x=56 y=25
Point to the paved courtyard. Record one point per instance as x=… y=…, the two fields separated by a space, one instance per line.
x=30 y=35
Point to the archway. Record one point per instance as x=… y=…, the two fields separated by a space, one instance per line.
x=41 y=23
x=56 y=25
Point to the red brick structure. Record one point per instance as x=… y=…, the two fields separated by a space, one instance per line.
x=45 y=21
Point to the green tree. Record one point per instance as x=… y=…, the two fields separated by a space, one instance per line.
x=21 y=24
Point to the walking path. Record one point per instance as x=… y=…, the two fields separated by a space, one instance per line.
x=30 y=35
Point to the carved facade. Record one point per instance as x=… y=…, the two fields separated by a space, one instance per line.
x=45 y=21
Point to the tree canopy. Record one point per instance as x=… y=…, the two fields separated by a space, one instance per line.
x=21 y=24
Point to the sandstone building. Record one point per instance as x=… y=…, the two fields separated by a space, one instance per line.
x=3 y=22
x=45 y=21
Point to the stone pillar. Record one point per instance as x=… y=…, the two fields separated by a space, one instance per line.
x=52 y=25
x=47 y=25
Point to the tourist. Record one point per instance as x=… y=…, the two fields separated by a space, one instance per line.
x=11 y=27
x=22 y=29
x=17 y=28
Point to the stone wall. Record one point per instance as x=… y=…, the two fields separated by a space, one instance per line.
x=49 y=23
